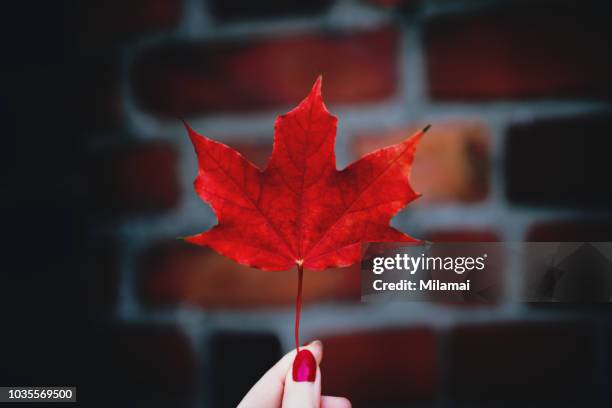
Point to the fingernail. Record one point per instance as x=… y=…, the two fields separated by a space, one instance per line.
x=304 y=367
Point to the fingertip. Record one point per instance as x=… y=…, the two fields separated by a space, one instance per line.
x=315 y=343
x=316 y=348
x=302 y=390
x=304 y=366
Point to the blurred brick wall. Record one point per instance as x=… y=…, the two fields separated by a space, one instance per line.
x=518 y=94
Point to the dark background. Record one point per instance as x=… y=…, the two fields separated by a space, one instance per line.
x=97 y=171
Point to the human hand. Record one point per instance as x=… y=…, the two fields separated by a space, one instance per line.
x=293 y=383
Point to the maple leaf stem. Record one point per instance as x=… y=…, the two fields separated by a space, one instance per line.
x=298 y=305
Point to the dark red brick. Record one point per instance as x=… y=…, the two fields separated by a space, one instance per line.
x=254 y=75
x=542 y=362
x=178 y=273
x=135 y=179
x=237 y=361
x=571 y=230
x=379 y=367
x=106 y=23
x=244 y=10
x=451 y=163
x=539 y=51
x=559 y=162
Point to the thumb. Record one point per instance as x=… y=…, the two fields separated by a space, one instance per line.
x=303 y=382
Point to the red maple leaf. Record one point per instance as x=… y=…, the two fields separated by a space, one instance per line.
x=300 y=210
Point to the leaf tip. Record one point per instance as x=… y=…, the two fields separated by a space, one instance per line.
x=189 y=129
x=316 y=88
x=193 y=135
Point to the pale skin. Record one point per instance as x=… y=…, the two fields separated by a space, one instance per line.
x=276 y=389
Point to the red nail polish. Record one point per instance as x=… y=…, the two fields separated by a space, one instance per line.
x=304 y=367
